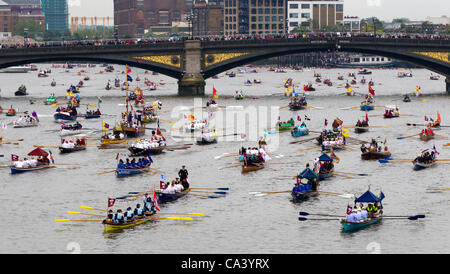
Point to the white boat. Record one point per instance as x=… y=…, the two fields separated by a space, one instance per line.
x=21 y=123
x=16 y=69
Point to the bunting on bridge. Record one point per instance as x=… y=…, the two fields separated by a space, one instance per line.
x=168 y=60
x=215 y=58
x=437 y=55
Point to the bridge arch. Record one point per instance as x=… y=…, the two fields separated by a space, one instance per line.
x=143 y=65
x=410 y=57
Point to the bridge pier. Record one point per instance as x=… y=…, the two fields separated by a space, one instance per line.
x=192 y=83
x=447 y=84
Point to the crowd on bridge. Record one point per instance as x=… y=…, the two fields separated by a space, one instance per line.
x=176 y=39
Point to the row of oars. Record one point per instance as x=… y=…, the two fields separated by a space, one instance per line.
x=261 y=194
x=210 y=191
x=301 y=213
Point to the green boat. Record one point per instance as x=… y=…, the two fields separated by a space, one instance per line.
x=367 y=197
x=50 y=100
x=286 y=125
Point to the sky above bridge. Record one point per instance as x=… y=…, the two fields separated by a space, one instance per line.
x=383 y=9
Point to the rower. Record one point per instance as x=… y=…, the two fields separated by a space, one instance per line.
x=119 y=218
x=121 y=165
x=185 y=184
x=147 y=202
x=138 y=211
x=178 y=187
x=110 y=218
x=129 y=215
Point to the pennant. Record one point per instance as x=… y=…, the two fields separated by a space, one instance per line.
x=34 y=114
x=111 y=202
x=435 y=151
x=367 y=117
x=129 y=78
x=14 y=158
x=155 y=200
x=215 y=93
x=326 y=122
x=345 y=132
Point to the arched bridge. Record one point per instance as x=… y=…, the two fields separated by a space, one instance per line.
x=193 y=61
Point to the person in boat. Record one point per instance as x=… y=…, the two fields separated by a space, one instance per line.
x=183 y=173
x=97 y=112
x=138 y=211
x=128 y=164
x=147 y=202
x=119 y=217
x=178 y=187
x=185 y=183
x=129 y=215
x=109 y=218
x=121 y=164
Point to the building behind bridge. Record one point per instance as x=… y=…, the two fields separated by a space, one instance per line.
x=12 y=11
x=56 y=15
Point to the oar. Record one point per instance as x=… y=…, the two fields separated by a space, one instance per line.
x=421 y=216
x=105 y=172
x=349 y=173
x=93 y=208
x=220 y=168
x=219 y=188
x=306 y=219
x=303 y=141
x=344 y=176
x=205 y=196
x=401 y=138
x=281 y=163
x=318 y=214
x=67 y=220
x=440 y=136
x=74 y=212
x=193 y=214
x=305 y=149
x=216 y=192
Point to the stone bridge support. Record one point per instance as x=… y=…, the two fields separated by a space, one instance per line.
x=192 y=83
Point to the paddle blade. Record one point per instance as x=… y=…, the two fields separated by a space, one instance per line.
x=186 y=219
x=302 y=219
x=223 y=188
x=383 y=161
x=123 y=197
x=400 y=138
x=86 y=207
x=212 y=197
x=133 y=192
x=220 y=192
x=173 y=218
x=196 y=214
x=61 y=220
x=73 y=212
x=420 y=216
x=303 y=213
x=413 y=218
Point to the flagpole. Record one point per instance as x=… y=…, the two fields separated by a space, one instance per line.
x=126 y=70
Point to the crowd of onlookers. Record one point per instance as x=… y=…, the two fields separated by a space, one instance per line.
x=176 y=39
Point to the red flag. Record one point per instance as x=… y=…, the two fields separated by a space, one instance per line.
x=215 y=93
x=128 y=70
x=162 y=185
x=326 y=122
x=371 y=90
x=367 y=117
x=111 y=202
x=14 y=158
x=299 y=119
x=117 y=156
x=155 y=200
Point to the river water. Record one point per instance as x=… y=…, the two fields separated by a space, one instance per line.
x=238 y=222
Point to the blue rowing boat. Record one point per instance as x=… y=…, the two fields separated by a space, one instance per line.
x=302 y=196
x=350 y=226
x=64 y=117
x=367 y=107
x=131 y=171
x=299 y=131
x=164 y=198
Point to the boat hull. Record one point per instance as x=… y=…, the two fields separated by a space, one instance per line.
x=15 y=170
x=164 y=198
x=302 y=196
x=70 y=150
x=130 y=172
x=426 y=137
x=361 y=130
x=348 y=226
x=374 y=155
x=59 y=117
x=420 y=166
x=250 y=168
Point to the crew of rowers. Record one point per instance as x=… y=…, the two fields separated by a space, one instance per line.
x=426 y=157
x=374 y=147
x=361 y=214
x=337 y=141
x=131 y=215
x=239 y=94
x=211 y=101
x=290 y=122
x=299 y=101
x=33 y=162
x=176 y=186
x=26 y=119
x=427 y=131
x=70 y=109
x=391 y=112
x=133 y=164
x=91 y=112
x=362 y=123
x=71 y=144
x=75 y=126
x=114 y=136
x=208 y=134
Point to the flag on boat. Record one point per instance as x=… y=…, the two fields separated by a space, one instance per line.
x=367 y=117
x=371 y=90
x=326 y=122
x=4 y=126
x=438 y=117
x=435 y=151
x=14 y=158
x=128 y=70
x=215 y=93
x=345 y=132
x=105 y=126
x=155 y=200
x=34 y=114
x=111 y=202
x=129 y=78
x=162 y=178
x=426 y=118
x=117 y=156
x=158 y=132
x=50 y=156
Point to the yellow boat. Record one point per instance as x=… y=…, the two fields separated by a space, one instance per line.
x=111 y=142
x=252 y=167
x=118 y=227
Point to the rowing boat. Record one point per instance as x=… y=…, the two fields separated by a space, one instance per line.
x=426 y=137
x=72 y=149
x=285 y=126
x=375 y=155
x=131 y=171
x=206 y=140
x=302 y=196
x=323 y=175
x=420 y=166
x=367 y=107
x=118 y=227
x=16 y=170
x=164 y=198
x=299 y=131
x=351 y=226
x=252 y=167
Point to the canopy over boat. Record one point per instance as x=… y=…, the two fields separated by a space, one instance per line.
x=369 y=197
x=325 y=158
x=308 y=174
x=38 y=152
